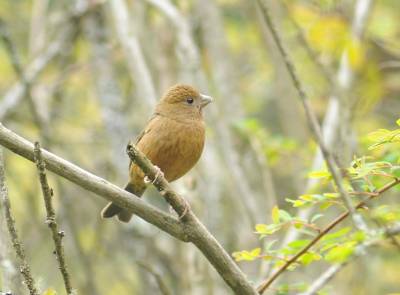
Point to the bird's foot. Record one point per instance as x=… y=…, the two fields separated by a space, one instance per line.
x=185 y=211
x=158 y=174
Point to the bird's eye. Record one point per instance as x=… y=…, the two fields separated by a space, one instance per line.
x=189 y=100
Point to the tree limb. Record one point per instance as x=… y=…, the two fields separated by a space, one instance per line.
x=264 y=285
x=94 y=184
x=311 y=117
x=51 y=218
x=16 y=243
x=334 y=269
x=189 y=229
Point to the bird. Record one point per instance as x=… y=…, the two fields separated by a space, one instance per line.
x=173 y=140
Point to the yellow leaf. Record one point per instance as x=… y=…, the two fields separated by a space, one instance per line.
x=319 y=174
x=256 y=252
x=49 y=291
x=275 y=214
x=355 y=53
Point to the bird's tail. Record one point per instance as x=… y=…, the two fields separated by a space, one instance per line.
x=111 y=209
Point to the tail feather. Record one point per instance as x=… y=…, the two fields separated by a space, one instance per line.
x=111 y=209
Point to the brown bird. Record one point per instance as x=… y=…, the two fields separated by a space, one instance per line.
x=173 y=140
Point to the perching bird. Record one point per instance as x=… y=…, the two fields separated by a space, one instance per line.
x=173 y=140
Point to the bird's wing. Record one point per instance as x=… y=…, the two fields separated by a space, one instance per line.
x=144 y=132
x=147 y=129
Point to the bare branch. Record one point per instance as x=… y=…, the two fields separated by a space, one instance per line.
x=135 y=57
x=94 y=184
x=17 y=245
x=195 y=230
x=311 y=117
x=15 y=95
x=332 y=121
x=51 y=218
x=159 y=279
x=189 y=229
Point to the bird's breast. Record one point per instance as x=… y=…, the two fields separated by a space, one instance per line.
x=174 y=146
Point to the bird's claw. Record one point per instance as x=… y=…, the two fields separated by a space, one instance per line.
x=158 y=174
x=185 y=211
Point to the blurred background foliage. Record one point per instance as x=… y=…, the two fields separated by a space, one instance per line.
x=99 y=85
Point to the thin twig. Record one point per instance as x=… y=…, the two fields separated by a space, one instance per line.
x=195 y=230
x=94 y=184
x=17 y=245
x=138 y=68
x=311 y=117
x=18 y=68
x=264 y=285
x=334 y=269
x=57 y=47
x=164 y=289
x=313 y=55
x=51 y=218
x=191 y=230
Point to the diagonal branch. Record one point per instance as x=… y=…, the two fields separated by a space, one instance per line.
x=16 y=93
x=17 y=245
x=196 y=231
x=94 y=184
x=51 y=218
x=264 y=285
x=311 y=117
x=190 y=229
x=359 y=251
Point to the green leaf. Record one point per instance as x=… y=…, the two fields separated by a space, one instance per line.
x=49 y=291
x=324 y=206
x=396 y=171
x=308 y=198
x=338 y=234
x=298 y=244
x=319 y=174
x=398 y=122
x=284 y=215
x=296 y=203
x=275 y=214
x=331 y=195
x=247 y=255
x=267 y=229
x=315 y=217
x=340 y=253
x=269 y=245
x=309 y=257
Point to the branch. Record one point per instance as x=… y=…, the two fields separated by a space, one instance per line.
x=13 y=97
x=332 y=120
x=334 y=269
x=312 y=53
x=51 y=218
x=138 y=69
x=263 y=286
x=94 y=184
x=311 y=117
x=189 y=229
x=17 y=245
x=164 y=290
x=196 y=231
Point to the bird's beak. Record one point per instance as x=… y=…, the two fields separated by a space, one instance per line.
x=205 y=100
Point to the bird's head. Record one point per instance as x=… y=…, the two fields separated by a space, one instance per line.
x=183 y=102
